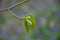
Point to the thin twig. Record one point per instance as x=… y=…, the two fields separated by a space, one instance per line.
x=15 y=15
x=13 y=6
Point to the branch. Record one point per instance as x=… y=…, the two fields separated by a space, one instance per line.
x=13 y=6
x=15 y=15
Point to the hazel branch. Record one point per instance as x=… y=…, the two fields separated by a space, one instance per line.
x=13 y=6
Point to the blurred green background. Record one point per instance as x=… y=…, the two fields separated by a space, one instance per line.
x=47 y=16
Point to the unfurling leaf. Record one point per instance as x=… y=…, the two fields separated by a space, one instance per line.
x=32 y=20
x=29 y=23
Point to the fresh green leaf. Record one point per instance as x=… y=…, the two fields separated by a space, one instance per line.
x=29 y=23
x=32 y=20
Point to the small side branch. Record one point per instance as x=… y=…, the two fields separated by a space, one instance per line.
x=15 y=15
